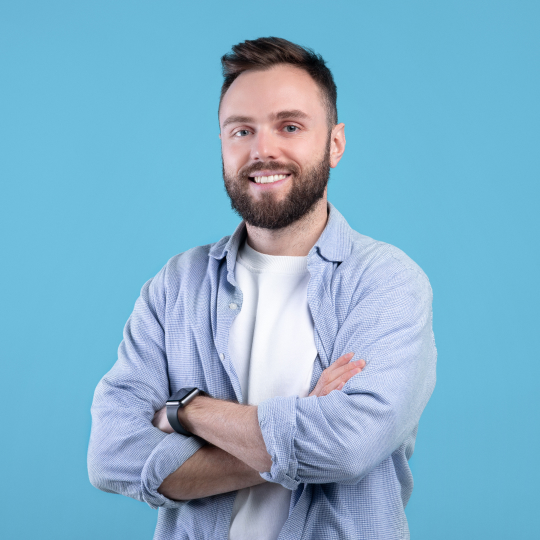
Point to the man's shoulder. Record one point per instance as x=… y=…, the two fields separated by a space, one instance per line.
x=375 y=272
x=375 y=265
x=192 y=263
x=195 y=256
x=361 y=257
x=380 y=256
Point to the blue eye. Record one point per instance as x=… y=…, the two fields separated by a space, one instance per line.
x=291 y=129
x=241 y=133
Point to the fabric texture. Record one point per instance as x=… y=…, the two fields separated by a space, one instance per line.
x=344 y=456
x=272 y=348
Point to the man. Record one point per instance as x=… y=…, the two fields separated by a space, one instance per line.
x=287 y=436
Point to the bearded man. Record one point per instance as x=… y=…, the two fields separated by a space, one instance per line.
x=270 y=385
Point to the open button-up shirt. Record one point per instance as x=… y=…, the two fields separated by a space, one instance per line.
x=344 y=455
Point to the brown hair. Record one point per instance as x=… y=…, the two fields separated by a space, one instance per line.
x=264 y=53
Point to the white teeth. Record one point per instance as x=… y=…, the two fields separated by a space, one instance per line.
x=269 y=179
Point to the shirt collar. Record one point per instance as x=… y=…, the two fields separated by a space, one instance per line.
x=334 y=244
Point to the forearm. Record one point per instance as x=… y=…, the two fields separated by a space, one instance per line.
x=210 y=471
x=235 y=428
x=230 y=426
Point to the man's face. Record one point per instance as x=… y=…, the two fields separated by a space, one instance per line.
x=275 y=143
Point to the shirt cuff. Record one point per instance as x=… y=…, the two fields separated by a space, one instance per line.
x=277 y=420
x=166 y=457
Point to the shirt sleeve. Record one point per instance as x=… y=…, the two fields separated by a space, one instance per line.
x=127 y=454
x=341 y=437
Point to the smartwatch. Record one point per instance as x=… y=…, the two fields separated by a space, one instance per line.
x=177 y=401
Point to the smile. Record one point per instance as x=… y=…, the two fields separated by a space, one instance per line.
x=268 y=179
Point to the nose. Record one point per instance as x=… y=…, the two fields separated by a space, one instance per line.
x=265 y=147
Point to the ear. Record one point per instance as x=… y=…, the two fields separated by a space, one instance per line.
x=337 y=144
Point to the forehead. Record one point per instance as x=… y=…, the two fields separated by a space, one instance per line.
x=262 y=93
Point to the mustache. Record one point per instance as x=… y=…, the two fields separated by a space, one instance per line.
x=245 y=172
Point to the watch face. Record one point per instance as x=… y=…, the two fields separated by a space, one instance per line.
x=189 y=396
x=181 y=394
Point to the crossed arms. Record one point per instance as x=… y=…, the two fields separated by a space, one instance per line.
x=237 y=451
x=339 y=437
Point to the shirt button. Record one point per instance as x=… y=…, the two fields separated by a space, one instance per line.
x=221 y=356
x=233 y=305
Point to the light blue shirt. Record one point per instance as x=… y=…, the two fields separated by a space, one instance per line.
x=344 y=455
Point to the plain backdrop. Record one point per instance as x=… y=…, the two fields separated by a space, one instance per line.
x=110 y=164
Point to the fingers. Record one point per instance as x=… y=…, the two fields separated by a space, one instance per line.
x=161 y=422
x=351 y=366
x=337 y=374
x=339 y=382
x=341 y=361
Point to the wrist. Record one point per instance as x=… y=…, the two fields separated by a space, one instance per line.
x=179 y=400
x=186 y=414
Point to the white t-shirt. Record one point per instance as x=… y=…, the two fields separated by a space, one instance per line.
x=272 y=347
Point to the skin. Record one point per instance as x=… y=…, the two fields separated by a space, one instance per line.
x=272 y=115
x=237 y=452
x=261 y=96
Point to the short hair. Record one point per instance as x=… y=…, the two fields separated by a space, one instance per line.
x=265 y=53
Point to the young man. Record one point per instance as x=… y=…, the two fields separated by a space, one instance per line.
x=287 y=436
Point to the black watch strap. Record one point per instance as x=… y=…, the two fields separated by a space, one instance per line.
x=176 y=401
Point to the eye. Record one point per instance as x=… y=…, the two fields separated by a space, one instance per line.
x=241 y=133
x=291 y=129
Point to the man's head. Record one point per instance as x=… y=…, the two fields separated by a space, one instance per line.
x=266 y=53
x=278 y=122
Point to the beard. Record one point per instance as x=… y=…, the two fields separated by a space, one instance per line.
x=268 y=213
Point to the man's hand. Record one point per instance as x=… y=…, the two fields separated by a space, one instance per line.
x=161 y=422
x=337 y=374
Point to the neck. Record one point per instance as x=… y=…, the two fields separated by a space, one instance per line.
x=295 y=240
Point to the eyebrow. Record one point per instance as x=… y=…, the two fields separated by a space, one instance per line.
x=237 y=120
x=281 y=115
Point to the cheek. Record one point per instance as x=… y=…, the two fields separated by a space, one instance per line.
x=302 y=156
x=306 y=150
x=234 y=156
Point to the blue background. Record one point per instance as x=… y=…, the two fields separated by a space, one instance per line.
x=110 y=164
